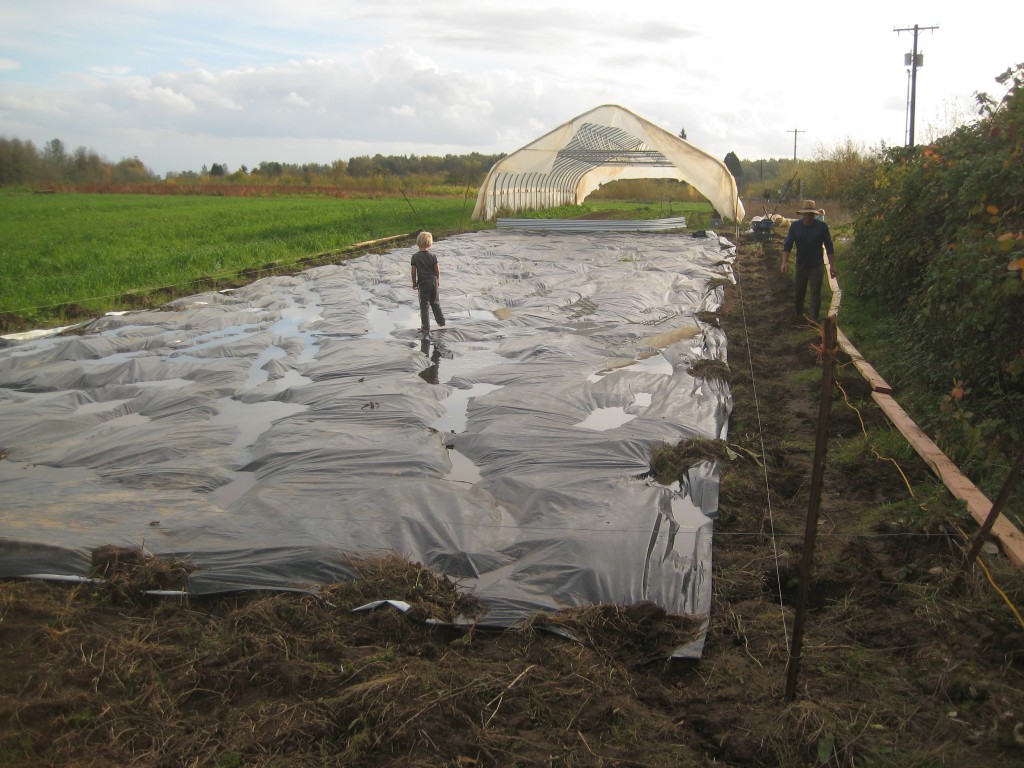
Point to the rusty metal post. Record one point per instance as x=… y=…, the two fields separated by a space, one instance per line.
x=828 y=354
x=982 y=535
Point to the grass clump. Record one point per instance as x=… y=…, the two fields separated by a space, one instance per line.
x=670 y=463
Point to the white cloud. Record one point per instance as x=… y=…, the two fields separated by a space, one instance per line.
x=166 y=99
x=110 y=71
x=328 y=77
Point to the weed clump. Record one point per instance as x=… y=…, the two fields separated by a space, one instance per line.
x=709 y=369
x=670 y=463
x=128 y=572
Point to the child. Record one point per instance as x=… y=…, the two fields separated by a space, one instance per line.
x=426 y=278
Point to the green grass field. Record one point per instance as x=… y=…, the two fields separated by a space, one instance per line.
x=89 y=249
x=65 y=255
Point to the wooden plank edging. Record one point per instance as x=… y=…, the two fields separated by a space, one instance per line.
x=1010 y=539
x=1006 y=533
x=867 y=371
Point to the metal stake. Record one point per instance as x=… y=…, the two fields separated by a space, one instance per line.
x=982 y=535
x=814 y=505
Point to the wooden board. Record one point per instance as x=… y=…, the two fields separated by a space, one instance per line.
x=871 y=376
x=1010 y=539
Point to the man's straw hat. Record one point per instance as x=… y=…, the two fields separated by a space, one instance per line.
x=807 y=206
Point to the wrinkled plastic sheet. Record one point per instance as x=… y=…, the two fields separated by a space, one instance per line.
x=272 y=432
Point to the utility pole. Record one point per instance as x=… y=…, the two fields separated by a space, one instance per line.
x=906 y=117
x=914 y=60
x=795 y=132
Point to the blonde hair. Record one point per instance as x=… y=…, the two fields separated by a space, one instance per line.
x=424 y=240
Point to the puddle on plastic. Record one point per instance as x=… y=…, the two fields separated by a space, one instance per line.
x=290 y=326
x=457 y=404
x=257 y=374
x=686 y=513
x=252 y=419
x=602 y=419
x=643 y=399
x=462 y=359
x=384 y=322
x=463 y=470
x=473 y=314
x=291 y=379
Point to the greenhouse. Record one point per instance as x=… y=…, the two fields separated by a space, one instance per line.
x=606 y=144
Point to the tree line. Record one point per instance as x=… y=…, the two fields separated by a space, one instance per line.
x=830 y=175
x=23 y=164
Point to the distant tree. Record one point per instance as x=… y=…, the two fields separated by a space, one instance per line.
x=55 y=161
x=86 y=167
x=54 y=152
x=132 y=169
x=217 y=169
x=682 y=133
x=360 y=166
x=271 y=169
x=735 y=167
x=19 y=162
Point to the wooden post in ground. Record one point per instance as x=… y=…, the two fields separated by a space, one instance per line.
x=828 y=355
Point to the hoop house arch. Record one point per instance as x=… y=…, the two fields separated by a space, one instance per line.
x=605 y=144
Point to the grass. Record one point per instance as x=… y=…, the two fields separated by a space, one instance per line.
x=90 y=249
x=64 y=256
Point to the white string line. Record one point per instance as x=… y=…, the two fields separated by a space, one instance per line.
x=679 y=529
x=764 y=463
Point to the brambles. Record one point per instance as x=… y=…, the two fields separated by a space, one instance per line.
x=939 y=247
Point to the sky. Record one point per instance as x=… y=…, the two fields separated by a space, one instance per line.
x=181 y=84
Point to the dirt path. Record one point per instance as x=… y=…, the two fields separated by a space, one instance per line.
x=898 y=669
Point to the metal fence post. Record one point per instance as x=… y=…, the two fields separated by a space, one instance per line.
x=828 y=354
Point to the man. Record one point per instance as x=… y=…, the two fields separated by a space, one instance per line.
x=810 y=235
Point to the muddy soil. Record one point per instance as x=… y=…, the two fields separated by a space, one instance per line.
x=899 y=667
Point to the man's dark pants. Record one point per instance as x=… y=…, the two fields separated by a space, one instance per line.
x=809 y=277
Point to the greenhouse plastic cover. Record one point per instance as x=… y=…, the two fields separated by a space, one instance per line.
x=272 y=432
x=606 y=144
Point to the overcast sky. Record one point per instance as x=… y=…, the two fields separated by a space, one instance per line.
x=183 y=83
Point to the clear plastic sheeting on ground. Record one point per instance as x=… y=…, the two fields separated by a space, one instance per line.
x=270 y=433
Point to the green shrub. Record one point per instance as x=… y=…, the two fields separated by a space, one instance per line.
x=939 y=241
